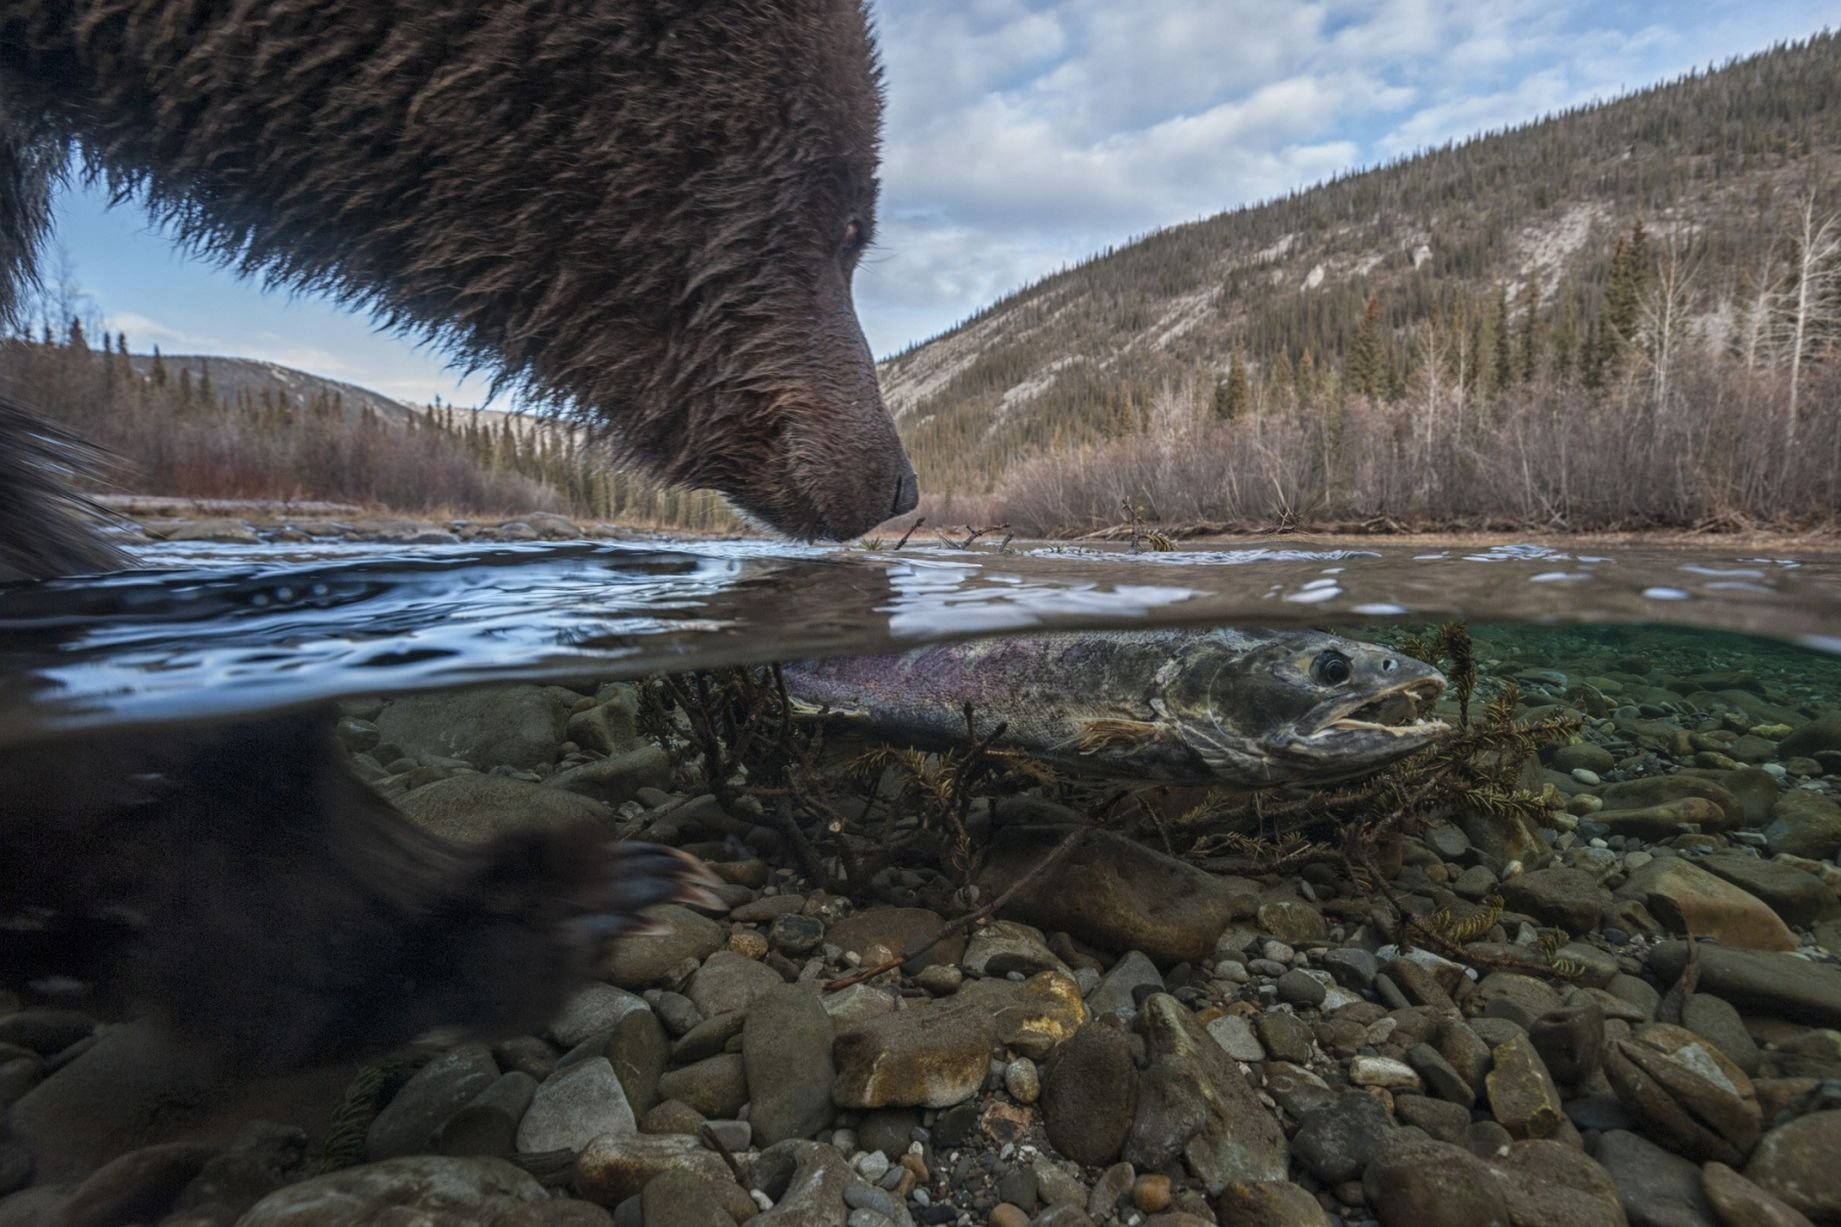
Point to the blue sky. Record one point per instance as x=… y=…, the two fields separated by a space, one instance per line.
x=1025 y=134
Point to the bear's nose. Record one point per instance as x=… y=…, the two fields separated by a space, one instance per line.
x=907 y=493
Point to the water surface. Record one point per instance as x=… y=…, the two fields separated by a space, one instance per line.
x=218 y=632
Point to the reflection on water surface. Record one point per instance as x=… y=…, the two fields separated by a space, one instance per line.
x=210 y=631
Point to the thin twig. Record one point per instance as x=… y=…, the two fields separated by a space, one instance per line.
x=919 y=520
x=714 y=1142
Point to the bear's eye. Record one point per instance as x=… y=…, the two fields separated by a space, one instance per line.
x=855 y=238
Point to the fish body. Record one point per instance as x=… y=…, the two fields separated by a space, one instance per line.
x=1234 y=706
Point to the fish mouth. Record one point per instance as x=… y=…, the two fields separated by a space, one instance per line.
x=1396 y=712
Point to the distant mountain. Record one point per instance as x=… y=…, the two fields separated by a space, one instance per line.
x=1476 y=231
x=233 y=378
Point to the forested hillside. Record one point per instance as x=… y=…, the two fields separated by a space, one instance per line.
x=216 y=427
x=1622 y=315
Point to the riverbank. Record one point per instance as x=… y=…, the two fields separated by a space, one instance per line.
x=145 y=519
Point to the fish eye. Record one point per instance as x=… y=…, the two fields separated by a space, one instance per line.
x=1331 y=668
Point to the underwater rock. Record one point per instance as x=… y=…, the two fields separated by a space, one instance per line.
x=810 y=1180
x=1740 y=1203
x=676 y=938
x=488 y=1125
x=1193 y=1102
x=1756 y=790
x=488 y=726
x=592 y=1009
x=1032 y=1018
x=1433 y=1184
x=1657 y=1188
x=1715 y=1021
x=1001 y=948
x=1120 y=988
x=1269 y=1203
x=438 y=1090
x=1757 y=980
x=1552 y=1184
x=1798 y=896
x=716 y=1087
x=609 y=724
x=1337 y=1141
x=681 y=1199
x=574 y=1106
x=140 y=1186
x=932 y=1055
x=1569 y=898
x=1522 y=1094
x=1586 y=755
x=936 y=1054
x=1656 y=790
x=894 y=930
x=1812 y=739
x=1663 y=821
x=1693 y=902
x=617 y=780
x=727 y=982
x=614 y=1167
x=1090 y=1095
x=430 y=1191
x=474 y=809
x=1796 y=1162
x=786 y=1050
x=1804 y=823
x=1113 y=893
x=1685 y=1092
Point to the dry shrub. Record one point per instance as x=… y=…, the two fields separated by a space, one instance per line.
x=1539 y=456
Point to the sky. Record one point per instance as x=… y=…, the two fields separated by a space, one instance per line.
x=1023 y=135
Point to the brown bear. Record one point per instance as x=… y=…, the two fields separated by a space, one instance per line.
x=646 y=212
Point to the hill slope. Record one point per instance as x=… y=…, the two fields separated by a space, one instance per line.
x=1471 y=232
x=232 y=379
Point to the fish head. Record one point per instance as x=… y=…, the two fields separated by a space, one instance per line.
x=1294 y=706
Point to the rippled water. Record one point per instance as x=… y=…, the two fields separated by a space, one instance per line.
x=214 y=632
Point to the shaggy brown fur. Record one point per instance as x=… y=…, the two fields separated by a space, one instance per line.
x=647 y=211
x=271 y=905
x=45 y=529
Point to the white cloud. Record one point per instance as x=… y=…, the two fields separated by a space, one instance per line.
x=1024 y=134
x=144 y=334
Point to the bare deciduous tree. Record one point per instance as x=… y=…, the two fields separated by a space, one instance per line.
x=1807 y=312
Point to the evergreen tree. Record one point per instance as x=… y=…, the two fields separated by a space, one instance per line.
x=1624 y=286
x=1529 y=357
x=1365 y=371
x=1232 y=394
x=1566 y=339
x=1282 y=383
x=1504 y=369
x=158 y=371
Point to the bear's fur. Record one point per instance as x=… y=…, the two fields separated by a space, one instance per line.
x=647 y=212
